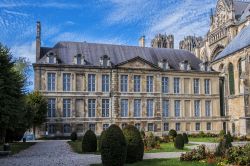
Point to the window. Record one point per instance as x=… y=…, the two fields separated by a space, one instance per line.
x=52 y=129
x=51 y=107
x=165 y=108
x=124 y=83
x=51 y=58
x=91 y=82
x=91 y=108
x=197 y=108
x=177 y=108
x=66 y=128
x=176 y=85
x=66 y=81
x=105 y=83
x=208 y=108
x=105 y=107
x=137 y=108
x=105 y=127
x=79 y=59
x=66 y=107
x=150 y=83
x=177 y=126
x=231 y=78
x=207 y=86
x=124 y=108
x=137 y=83
x=138 y=126
x=166 y=126
x=196 y=86
x=92 y=127
x=51 y=81
x=164 y=84
x=197 y=126
x=209 y=126
x=150 y=127
x=150 y=111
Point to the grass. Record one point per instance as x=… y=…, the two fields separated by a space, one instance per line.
x=16 y=147
x=203 y=139
x=168 y=147
x=76 y=146
x=163 y=162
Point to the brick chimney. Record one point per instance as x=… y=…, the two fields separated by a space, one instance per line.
x=38 y=40
x=142 y=41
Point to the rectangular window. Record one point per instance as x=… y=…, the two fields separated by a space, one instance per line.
x=124 y=108
x=138 y=126
x=209 y=126
x=197 y=108
x=177 y=126
x=66 y=81
x=165 y=108
x=137 y=108
x=164 y=84
x=124 y=83
x=150 y=127
x=137 y=83
x=51 y=81
x=52 y=129
x=105 y=107
x=92 y=127
x=66 y=128
x=208 y=108
x=207 y=86
x=105 y=83
x=197 y=126
x=150 y=111
x=91 y=82
x=150 y=83
x=176 y=85
x=166 y=126
x=177 y=104
x=91 y=108
x=51 y=107
x=105 y=127
x=66 y=107
x=196 y=86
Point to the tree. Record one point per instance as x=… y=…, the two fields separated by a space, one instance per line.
x=172 y=133
x=37 y=106
x=89 y=142
x=179 y=142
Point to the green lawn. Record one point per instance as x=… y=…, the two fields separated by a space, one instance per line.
x=203 y=139
x=168 y=147
x=76 y=146
x=163 y=162
x=18 y=146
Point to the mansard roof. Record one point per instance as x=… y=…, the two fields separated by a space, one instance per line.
x=242 y=40
x=239 y=7
x=92 y=52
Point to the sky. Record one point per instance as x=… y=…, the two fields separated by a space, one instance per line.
x=99 y=21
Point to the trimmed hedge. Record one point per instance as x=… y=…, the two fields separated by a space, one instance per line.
x=172 y=133
x=113 y=147
x=89 y=142
x=73 y=136
x=179 y=142
x=185 y=137
x=135 y=145
x=223 y=146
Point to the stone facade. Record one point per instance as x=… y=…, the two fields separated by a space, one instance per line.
x=163 y=41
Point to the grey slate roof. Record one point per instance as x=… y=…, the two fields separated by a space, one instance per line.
x=246 y=13
x=239 y=7
x=241 y=41
x=92 y=52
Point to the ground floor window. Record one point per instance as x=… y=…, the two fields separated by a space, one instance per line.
x=209 y=126
x=166 y=126
x=177 y=126
x=66 y=128
x=150 y=127
x=52 y=129
x=124 y=125
x=197 y=126
x=92 y=127
x=138 y=126
x=105 y=126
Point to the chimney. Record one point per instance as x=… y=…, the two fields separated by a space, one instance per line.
x=142 y=41
x=38 y=40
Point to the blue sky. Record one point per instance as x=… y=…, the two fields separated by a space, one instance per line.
x=102 y=21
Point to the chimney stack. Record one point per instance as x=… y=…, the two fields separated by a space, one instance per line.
x=38 y=40
x=142 y=41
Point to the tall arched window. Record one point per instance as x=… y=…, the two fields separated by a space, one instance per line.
x=231 y=78
x=239 y=68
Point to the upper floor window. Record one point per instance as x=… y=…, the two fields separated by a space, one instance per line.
x=105 y=83
x=197 y=108
x=208 y=108
x=124 y=107
x=66 y=81
x=105 y=61
x=91 y=82
x=66 y=107
x=51 y=81
x=231 y=78
x=124 y=83
x=51 y=58
x=207 y=86
x=196 y=86
x=137 y=83
x=51 y=107
x=164 y=64
x=165 y=108
x=105 y=107
x=164 y=84
x=176 y=85
x=177 y=108
x=150 y=111
x=79 y=59
x=150 y=83
x=184 y=65
x=91 y=107
x=137 y=108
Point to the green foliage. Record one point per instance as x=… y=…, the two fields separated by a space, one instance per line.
x=202 y=134
x=195 y=154
x=113 y=147
x=73 y=136
x=172 y=133
x=223 y=146
x=179 y=142
x=239 y=155
x=150 y=141
x=185 y=137
x=135 y=145
x=222 y=133
x=100 y=140
x=231 y=139
x=89 y=142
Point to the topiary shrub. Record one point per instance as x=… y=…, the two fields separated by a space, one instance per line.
x=185 y=137
x=150 y=141
x=73 y=136
x=89 y=142
x=113 y=147
x=100 y=140
x=223 y=146
x=230 y=136
x=172 y=133
x=135 y=145
x=179 y=142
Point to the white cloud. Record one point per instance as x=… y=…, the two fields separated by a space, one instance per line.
x=15 y=13
x=27 y=50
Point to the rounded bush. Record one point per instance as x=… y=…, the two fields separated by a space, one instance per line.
x=100 y=140
x=73 y=136
x=185 y=137
x=113 y=147
x=135 y=145
x=179 y=142
x=89 y=142
x=172 y=133
x=223 y=146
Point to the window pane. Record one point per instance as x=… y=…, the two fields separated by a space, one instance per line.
x=196 y=86
x=164 y=84
x=66 y=81
x=208 y=108
x=176 y=85
x=150 y=108
x=124 y=108
x=137 y=83
x=165 y=107
x=137 y=108
x=105 y=107
x=51 y=81
x=177 y=108
x=124 y=83
x=51 y=107
x=197 y=108
x=91 y=108
x=91 y=82
x=149 y=83
x=105 y=83
x=66 y=107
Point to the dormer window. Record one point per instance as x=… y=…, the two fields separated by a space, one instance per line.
x=105 y=61
x=79 y=59
x=164 y=64
x=51 y=58
x=184 y=65
x=205 y=66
